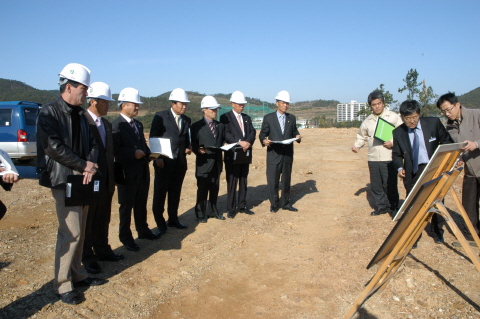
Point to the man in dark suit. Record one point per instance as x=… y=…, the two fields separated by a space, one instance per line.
x=96 y=245
x=207 y=138
x=279 y=126
x=414 y=143
x=132 y=152
x=238 y=128
x=169 y=173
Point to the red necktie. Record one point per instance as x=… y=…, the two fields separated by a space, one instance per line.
x=212 y=128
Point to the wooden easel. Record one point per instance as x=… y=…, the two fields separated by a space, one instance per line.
x=399 y=243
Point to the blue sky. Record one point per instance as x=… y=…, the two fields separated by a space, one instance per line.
x=314 y=49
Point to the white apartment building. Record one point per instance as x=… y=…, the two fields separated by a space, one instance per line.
x=348 y=111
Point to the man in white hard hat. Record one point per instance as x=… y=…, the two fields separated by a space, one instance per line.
x=207 y=137
x=383 y=176
x=169 y=173
x=96 y=245
x=238 y=128
x=66 y=147
x=132 y=155
x=279 y=126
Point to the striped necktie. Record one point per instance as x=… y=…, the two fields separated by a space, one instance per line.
x=415 y=150
x=212 y=128
x=240 y=123
x=282 y=123
x=134 y=127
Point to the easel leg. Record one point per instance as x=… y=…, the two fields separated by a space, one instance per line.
x=465 y=218
x=459 y=235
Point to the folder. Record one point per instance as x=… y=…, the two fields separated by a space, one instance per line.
x=384 y=130
x=241 y=157
x=79 y=194
x=160 y=147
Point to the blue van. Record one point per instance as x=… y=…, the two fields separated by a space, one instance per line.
x=18 y=129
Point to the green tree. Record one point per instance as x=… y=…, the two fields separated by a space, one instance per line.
x=411 y=84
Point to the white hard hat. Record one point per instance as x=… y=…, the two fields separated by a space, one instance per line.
x=209 y=102
x=100 y=90
x=129 y=95
x=75 y=72
x=238 y=97
x=283 y=96
x=179 y=95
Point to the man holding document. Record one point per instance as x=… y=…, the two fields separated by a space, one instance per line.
x=174 y=125
x=276 y=128
x=383 y=176
x=238 y=128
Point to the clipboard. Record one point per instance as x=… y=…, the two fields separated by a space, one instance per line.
x=160 y=146
x=79 y=194
x=383 y=130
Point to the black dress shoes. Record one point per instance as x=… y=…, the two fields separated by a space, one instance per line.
x=112 y=257
x=176 y=224
x=439 y=240
x=93 y=268
x=273 y=209
x=220 y=217
x=71 y=298
x=202 y=220
x=132 y=247
x=245 y=210
x=231 y=214
x=150 y=236
x=290 y=208
x=90 y=281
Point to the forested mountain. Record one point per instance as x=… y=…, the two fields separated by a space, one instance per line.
x=471 y=99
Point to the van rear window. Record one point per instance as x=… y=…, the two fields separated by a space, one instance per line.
x=30 y=116
x=5 y=117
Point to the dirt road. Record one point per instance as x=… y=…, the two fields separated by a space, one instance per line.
x=308 y=264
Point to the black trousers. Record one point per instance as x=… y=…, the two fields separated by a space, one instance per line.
x=274 y=172
x=96 y=233
x=133 y=195
x=168 y=180
x=437 y=219
x=470 y=198
x=384 y=184
x=207 y=194
x=236 y=175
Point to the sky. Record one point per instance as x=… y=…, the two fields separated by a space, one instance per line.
x=338 y=50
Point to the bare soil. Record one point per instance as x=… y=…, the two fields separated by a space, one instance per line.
x=308 y=264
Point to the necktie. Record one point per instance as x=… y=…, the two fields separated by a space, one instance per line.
x=101 y=130
x=415 y=150
x=177 y=120
x=240 y=123
x=282 y=123
x=212 y=128
x=134 y=127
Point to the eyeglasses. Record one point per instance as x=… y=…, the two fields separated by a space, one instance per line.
x=411 y=118
x=448 y=110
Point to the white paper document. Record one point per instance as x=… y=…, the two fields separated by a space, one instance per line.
x=289 y=141
x=228 y=146
x=7 y=164
x=160 y=146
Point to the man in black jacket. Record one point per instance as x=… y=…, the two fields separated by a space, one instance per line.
x=96 y=245
x=132 y=155
x=414 y=143
x=238 y=128
x=207 y=137
x=169 y=173
x=279 y=126
x=65 y=147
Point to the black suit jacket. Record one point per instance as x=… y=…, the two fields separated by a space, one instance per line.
x=163 y=125
x=126 y=142
x=434 y=134
x=233 y=132
x=271 y=130
x=105 y=157
x=202 y=136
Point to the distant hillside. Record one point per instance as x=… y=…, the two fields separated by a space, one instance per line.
x=471 y=99
x=11 y=90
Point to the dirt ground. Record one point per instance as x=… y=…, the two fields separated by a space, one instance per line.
x=308 y=264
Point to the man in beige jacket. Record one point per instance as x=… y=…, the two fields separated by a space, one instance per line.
x=383 y=176
x=463 y=126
